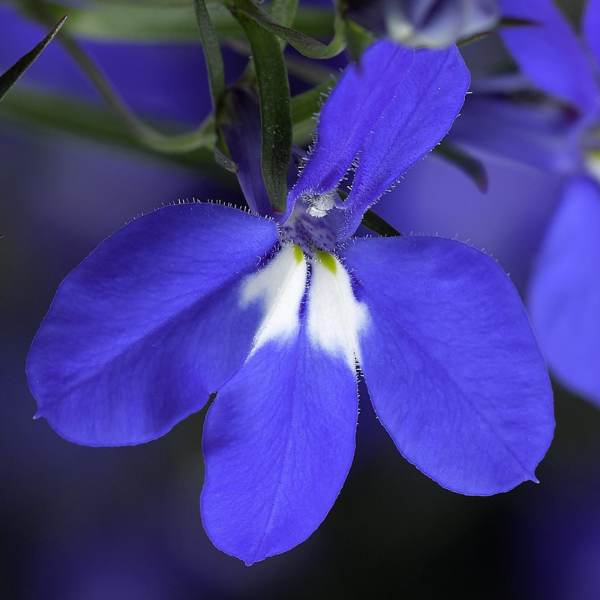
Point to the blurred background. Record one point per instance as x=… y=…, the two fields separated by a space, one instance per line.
x=81 y=523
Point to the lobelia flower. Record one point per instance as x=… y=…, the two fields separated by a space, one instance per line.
x=434 y=23
x=274 y=312
x=564 y=291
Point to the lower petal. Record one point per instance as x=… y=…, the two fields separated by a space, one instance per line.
x=451 y=363
x=278 y=444
x=564 y=295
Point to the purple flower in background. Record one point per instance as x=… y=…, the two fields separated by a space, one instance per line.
x=194 y=299
x=564 y=293
x=434 y=23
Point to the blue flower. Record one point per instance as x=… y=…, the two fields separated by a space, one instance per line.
x=564 y=292
x=197 y=299
x=434 y=23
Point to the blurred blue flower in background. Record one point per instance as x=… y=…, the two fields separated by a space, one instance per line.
x=194 y=299
x=432 y=23
x=564 y=292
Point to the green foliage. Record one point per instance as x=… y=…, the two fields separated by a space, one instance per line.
x=305 y=44
x=275 y=110
x=10 y=77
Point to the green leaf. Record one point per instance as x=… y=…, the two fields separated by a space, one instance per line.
x=142 y=24
x=175 y=24
x=212 y=53
x=464 y=161
x=306 y=105
x=374 y=222
x=35 y=108
x=378 y=225
x=284 y=11
x=275 y=111
x=145 y=134
x=515 y=22
x=359 y=39
x=305 y=108
x=10 y=77
x=306 y=45
x=159 y=3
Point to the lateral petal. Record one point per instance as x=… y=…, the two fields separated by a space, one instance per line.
x=564 y=294
x=451 y=363
x=149 y=325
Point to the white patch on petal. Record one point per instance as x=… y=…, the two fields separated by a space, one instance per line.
x=280 y=286
x=335 y=317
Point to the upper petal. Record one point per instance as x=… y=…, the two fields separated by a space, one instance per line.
x=451 y=363
x=425 y=105
x=279 y=439
x=148 y=325
x=350 y=113
x=564 y=294
x=549 y=52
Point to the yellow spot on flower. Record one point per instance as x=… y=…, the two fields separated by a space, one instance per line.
x=327 y=261
x=298 y=255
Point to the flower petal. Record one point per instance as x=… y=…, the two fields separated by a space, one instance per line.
x=148 y=325
x=350 y=113
x=451 y=363
x=279 y=438
x=564 y=294
x=591 y=27
x=425 y=105
x=549 y=52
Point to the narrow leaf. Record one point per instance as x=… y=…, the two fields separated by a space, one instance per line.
x=275 y=111
x=284 y=11
x=212 y=53
x=306 y=105
x=464 y=161
x=358 y=38
x=515 y=22
x=85 y=119
x=10 y=77
x=140 y=23
x=505 y=22
x=378 y=225
x=305 y=44
x=159 y=3
x=145 y=134
x=305 y=108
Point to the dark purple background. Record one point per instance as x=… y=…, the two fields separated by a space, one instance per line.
x=96 y=524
